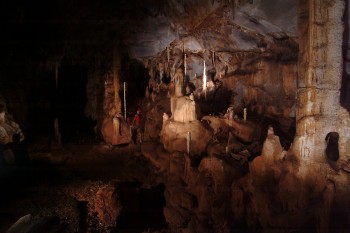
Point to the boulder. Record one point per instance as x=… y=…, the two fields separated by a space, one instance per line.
x=174 y=136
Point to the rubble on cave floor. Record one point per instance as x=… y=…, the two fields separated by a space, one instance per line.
x=90 y=181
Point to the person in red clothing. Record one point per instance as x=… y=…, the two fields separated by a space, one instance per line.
x=136 y=123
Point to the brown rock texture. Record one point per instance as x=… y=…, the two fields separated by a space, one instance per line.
x=107 y=206
x=115 y=134
x=174 y=136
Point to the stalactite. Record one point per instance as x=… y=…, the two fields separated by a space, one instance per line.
x=57 y=133
x=204 y=81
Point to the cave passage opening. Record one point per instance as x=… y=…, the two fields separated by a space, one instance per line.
x=70 y=102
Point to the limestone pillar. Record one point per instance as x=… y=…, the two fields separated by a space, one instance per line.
x=320 y=32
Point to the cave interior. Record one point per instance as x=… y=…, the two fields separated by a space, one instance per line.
x=175 y=116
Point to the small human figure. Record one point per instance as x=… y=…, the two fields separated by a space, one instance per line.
x=135 y=127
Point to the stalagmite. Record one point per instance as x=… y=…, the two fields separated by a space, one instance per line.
x=245 y=114
x=188 y=137
x=230 y=113
x=56 y=123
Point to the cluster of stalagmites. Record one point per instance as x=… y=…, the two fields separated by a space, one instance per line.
x=224 y=173
x=197 y=157
x=209 y=188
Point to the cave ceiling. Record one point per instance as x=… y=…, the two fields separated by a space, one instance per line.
x=45 y=29
x=39 y=31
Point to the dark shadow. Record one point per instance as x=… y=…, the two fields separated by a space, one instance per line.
x=332 y=149
x=71 y=99
x=142 y=208
x=83 y=215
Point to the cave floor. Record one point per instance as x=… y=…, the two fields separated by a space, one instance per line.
x=41 y=188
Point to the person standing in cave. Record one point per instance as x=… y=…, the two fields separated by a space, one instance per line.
x=135 y=127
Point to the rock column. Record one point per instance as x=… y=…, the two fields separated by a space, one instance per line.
x=319 y=78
